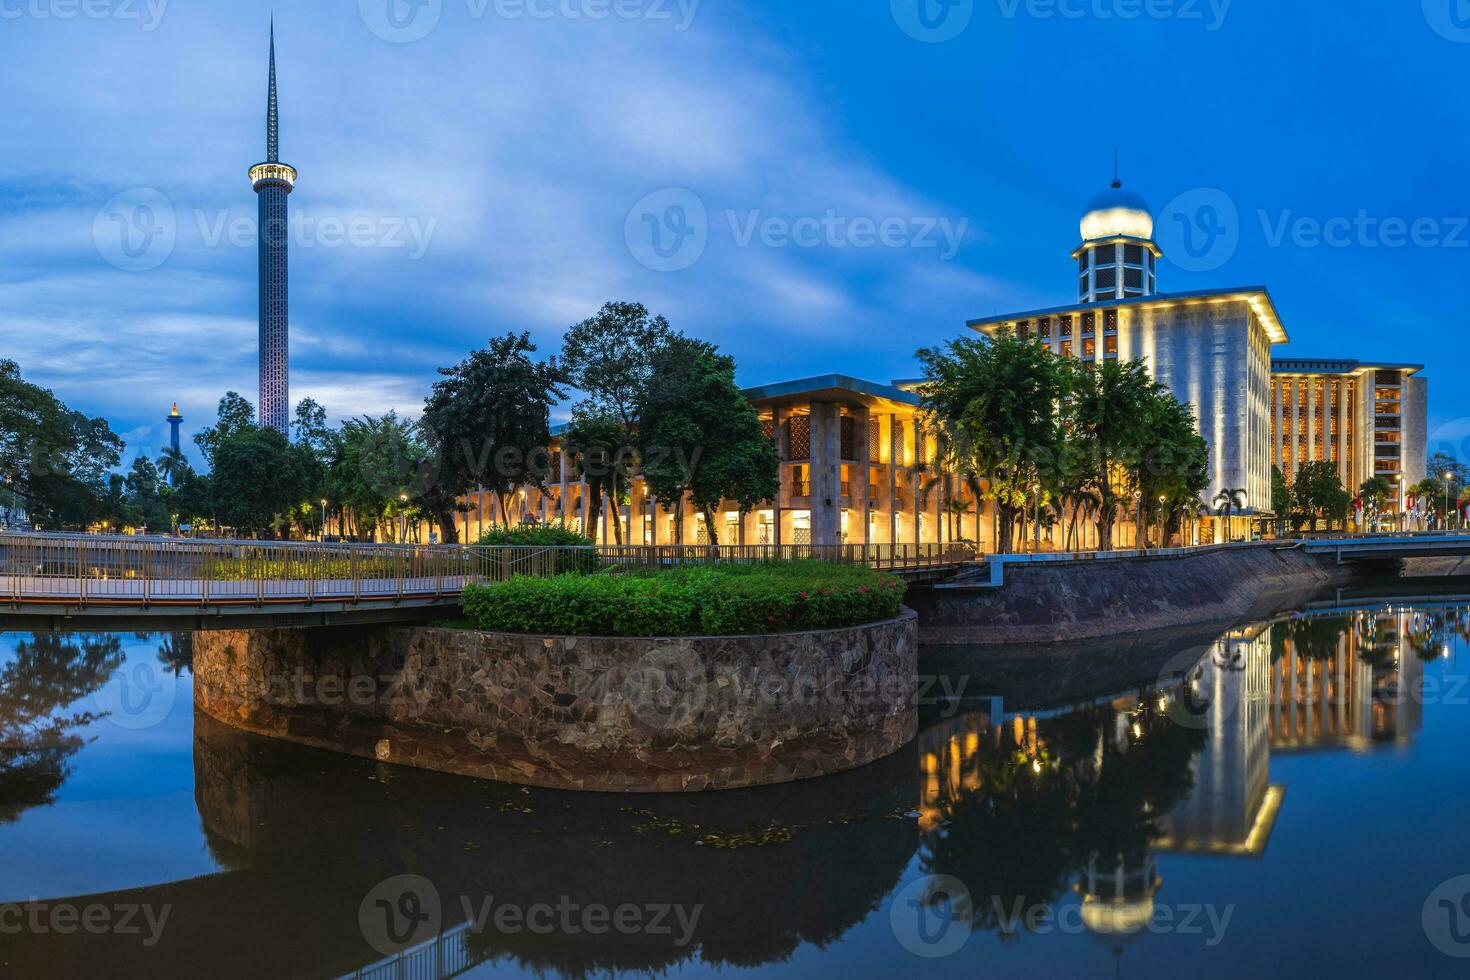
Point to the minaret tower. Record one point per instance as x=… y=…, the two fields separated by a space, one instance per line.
x=273 y=182
x=1118 y=258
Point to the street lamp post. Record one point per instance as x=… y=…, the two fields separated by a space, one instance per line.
x=1448 y=477
x=323 y=535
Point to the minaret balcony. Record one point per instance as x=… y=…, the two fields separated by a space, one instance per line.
x=273 y=174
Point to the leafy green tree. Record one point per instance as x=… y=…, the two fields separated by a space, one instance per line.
x=488 y=424
x=1282 y=499
x=235 y=415
x=1379 y=495
x=257 y=477
x=1173 y=468
x=1108 y=415
x=610 y=356
x=699 y=435
x=993 y=403
x=598 y=440
x=1318 y=493
x=375 y=466
x=144 y=495
x=53 y=460
x=172 y=464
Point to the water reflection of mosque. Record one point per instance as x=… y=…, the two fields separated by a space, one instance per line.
x=1029 y=806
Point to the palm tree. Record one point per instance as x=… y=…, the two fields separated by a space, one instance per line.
x=172 y=465
x=1229 y=502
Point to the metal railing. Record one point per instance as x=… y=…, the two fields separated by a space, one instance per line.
x=142 y=571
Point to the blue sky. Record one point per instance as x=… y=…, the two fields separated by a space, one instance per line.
x=834 y=182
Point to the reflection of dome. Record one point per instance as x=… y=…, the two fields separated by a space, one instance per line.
x=1107 y=918
x=1117 y=212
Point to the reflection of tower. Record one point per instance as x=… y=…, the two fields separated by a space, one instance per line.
x=1233 y=807
x=273 y=182
x=174 y=421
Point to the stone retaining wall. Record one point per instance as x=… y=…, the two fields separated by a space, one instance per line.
x=613 y=714
x=1056 y=602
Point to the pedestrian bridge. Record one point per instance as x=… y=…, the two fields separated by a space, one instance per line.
x=1391 y=547
x=73 y=581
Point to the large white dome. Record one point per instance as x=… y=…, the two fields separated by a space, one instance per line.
x=1117 y=213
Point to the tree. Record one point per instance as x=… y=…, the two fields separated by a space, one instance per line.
x=1231 y=500
x=992 y=401
x=610 y=356
x=257 y=477
x=1378 y=494
x=597 y=439
x=1173 y=468
x=488 y=424
x=699 y=435
x=1318 y=493
x=172 y=464
x=235 y=415
x=143 y=487
x=54 y=460
x=1282 y=499
x=1109 y=410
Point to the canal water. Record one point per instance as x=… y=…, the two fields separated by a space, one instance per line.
x=1288 y=799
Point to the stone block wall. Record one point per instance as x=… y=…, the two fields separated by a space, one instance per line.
x=617 y=714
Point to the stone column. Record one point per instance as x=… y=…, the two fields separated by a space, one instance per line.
x=1344 y=414
x=564 y=476
x=783 y=473
x=860 y=501
x=1311 y=384
x=1296 y=427
x=826 y=472
x=895 y=460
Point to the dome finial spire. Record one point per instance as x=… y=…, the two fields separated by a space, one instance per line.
x=1116 y=182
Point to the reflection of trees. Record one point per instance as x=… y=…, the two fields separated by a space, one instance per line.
x=1316 y=638
x=37 y=736
x=176 y=652
x=772 y=868
x=1035 y=812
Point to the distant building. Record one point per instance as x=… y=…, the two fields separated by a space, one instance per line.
x=1368 y=419
x=273 y=182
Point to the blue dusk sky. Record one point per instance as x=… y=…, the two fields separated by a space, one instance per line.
x=817 y=186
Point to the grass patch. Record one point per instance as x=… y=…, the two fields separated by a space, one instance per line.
x=695 y=600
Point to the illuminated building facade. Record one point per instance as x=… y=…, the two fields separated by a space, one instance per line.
x=1367 y=419
x=273 y=182
x=1211 y=348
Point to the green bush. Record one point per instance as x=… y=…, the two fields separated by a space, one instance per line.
x=546 y=536
x=251 y=568
x=714 y=600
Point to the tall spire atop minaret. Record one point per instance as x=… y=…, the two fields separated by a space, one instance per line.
x=273 y=181
x=272 y=115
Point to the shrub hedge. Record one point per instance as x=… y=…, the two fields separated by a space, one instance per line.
x=547 y=536
x=718 y=600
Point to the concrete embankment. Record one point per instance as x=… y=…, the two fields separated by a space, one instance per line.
x=1064 y=602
